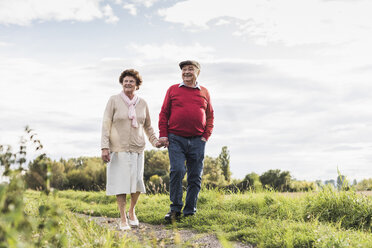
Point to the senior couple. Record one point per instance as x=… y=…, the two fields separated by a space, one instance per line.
x=185 y=124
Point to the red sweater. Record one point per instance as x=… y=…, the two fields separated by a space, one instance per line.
x=186 y=112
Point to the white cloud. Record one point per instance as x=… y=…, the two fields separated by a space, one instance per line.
x=24 y=12
x=5 y=44
x=289 y=21
x=334 y=36
x=131 y=8
x=173 y=52
x=222 y=22
x=133 y=5
x=109 y=14
x=49 y=98
x=146 y=3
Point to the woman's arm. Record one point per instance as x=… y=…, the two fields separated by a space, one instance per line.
x=149 y=130
x=106 y=130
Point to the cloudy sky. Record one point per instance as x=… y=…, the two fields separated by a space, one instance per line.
x=290 y=80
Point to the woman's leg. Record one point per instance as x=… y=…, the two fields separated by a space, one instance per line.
x=122 y=200
x=133 y=201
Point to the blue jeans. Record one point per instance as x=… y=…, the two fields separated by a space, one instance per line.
x=191 y=151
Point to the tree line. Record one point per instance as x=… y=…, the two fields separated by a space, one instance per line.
x=89 y=173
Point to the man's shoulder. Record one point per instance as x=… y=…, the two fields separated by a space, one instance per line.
x=204 y=90
x=174 y=86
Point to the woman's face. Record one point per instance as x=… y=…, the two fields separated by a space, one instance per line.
x=129 y=85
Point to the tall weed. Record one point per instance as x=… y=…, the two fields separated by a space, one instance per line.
x=346 y=208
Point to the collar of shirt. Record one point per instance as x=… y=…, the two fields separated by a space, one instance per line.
x=196 y=86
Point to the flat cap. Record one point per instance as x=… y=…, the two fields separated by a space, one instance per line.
x=189 y=62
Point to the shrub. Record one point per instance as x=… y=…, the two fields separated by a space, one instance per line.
x=302 y=186
x=276 y=180
x=156 y=185
x=365 y=184
x=347 y=208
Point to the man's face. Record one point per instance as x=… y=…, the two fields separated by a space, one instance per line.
x=189 y=73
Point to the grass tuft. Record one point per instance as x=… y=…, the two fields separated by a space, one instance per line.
x=345 y=208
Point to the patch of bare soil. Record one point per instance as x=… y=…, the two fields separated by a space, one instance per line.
x=160 y=236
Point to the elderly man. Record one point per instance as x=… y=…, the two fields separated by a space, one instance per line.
x=185 y=124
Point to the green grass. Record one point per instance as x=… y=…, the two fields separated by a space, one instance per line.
x=73 y=231
x=325 y=219
x=350 y=210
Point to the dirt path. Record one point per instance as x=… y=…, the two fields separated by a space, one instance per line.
x=164 y=237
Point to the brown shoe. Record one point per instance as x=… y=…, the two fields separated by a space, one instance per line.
x=172 y=215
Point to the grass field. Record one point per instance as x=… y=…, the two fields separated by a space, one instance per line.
x=62 y=228
x=325 y=219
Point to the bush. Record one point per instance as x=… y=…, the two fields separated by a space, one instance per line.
x=365 y=184
x=156 y=163
x=16 y=228
x=276 y=180
x=302 y=186
x=346 y=208
x=213 y=175
x=36 y=175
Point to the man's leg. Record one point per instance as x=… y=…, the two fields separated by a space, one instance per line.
x=176 y=151
x=194 y=163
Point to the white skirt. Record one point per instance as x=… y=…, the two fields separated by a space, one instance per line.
x=125 y=173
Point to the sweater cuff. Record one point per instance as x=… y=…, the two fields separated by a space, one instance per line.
x=163 y=135
x=154 y=141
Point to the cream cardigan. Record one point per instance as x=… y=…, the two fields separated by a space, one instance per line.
x=118 y=135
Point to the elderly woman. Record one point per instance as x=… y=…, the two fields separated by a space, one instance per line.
x=125 y=120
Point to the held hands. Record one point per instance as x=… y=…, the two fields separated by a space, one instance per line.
x=163 y=142
x=105 y=155
x=158 y=144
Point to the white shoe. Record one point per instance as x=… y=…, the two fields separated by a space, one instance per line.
x=124 y=227
x=132 y=222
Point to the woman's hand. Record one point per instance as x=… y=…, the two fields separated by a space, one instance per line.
x=158 y=144
x=164 y=141
x=105 y=155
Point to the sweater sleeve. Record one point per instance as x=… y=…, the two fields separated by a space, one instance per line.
x=107 y=123
x=148 y=128
x=209 y=118
x=164 y=115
